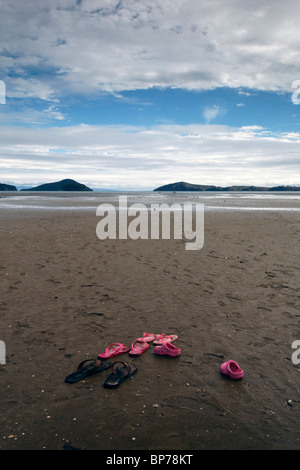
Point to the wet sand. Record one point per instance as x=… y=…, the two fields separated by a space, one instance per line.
x=66 y=295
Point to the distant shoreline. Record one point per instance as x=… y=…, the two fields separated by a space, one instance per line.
x=69 y=185
x=183 y=186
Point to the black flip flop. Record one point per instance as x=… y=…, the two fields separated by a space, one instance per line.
x=120 y=373
x=83 y=372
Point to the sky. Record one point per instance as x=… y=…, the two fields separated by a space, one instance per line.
x=135 y=94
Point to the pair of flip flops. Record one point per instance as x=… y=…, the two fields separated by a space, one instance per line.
x=115 y=349
x=163 y=342
x=158 y=339
x=120 y=372
x=138 y=346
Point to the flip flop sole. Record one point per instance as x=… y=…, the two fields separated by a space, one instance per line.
x=138 y=347
x=137 y=352
x=114 y=380
x=116 y=351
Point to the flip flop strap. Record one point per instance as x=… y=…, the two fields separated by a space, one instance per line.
x=139 y=340
x=125 y=364
x=97 y=363
x=148 y=335
x=112 y=346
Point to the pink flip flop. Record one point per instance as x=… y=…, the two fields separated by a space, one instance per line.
x=165 y=339
x=138 y=347
x=167 y=349
x=148 y=337
x=232 y=369
x=114 y=349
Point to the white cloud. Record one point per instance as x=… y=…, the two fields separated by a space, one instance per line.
x=210 y=113
x=123 y=157
x=113 y=45
x=29 y=88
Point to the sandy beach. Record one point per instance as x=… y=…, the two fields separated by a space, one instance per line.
x=66 y=296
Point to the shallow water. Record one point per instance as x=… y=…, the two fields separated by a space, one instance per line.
x=78 y=201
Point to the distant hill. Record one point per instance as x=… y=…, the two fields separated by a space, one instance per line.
x=7 y=187
x=64 y=185
x=183 y=186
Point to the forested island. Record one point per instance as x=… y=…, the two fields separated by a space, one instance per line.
x=183 y=186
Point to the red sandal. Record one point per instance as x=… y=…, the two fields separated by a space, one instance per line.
x=165 y=339
x=167 y=349
x=232 y=369
x=148 y=337
x=138 y=347
x=114 y=349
